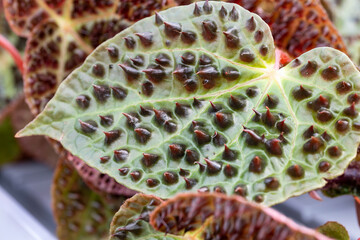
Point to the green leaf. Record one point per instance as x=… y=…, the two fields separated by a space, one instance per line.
x=334 y=230
x=158 y=122
x=132 y=220
x=199 y=216
x=79 y=212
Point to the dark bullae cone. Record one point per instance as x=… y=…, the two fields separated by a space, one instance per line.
x=202 y=166
x=152 y=182
x=230 y=73
x=237 y=103
x=320 y=102
x=219 y=189
x=209 y=30
x=229 y=154
x=88 y=126
x=351 y=111
x=83 y=101
x=296 y=171
x=234 y=14
x=177 y=151
x=112 y=136
x=135 y=175
x=268 y=118
x=197 y=10
x=188 y=37
x=203 y=189
x=252 y=138
x=246 y=55
x=223 y=120
x=183 y=72
x=240 y=190
x=231 y=38
x=252 y=92
x=229 y=171
x=197 y=103
x=202 y=137
x=189 y=183
x=107 y=120
x=309 y=132
x=145 y=111
x=142 y=135
x=119 y=93
x=300 y=93
x=331 y=73
x=342 y=125
x=129 y=42
x=222 y=12
x=104 y=159
x=155 y=73
x=131 y=119
x=309 y=69
x=147 y=88
x=283 y=127
x=170 y=177
x=188 y=58
x=101 y=92
x=172 y=29
x=256 y=165
x=259 y=35
x=191 y=85
x=124 y=171
x=181 y=109
x=334 y=151
x=313 y=145
x=121 y=155
x=149 y=160
x=324 y=166
x=113 y=52
x=273 y=146
x=324 y=115
x=271 y=183
x=207 y=7
x=131 y=73
x=343 y=87
x=163 y=59
x=191 y=156
x=205 y=59
x=212 y=166
x=138 y=60
x=271 y=101
x=146 y=38
x=250 y=24
x=98 y=70
x=326 y=136
x=218 y=139
x=158 y=19
x=184 y=172
x=170 y=126
x=354 y=98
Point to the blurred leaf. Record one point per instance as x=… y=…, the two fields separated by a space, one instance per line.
x=9 y=148
x=334 y=230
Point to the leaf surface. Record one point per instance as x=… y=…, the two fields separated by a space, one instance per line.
x=334 y=230
x=79 y=212
x=170 y=114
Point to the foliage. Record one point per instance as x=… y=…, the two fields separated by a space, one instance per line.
x=334 y=230
x=283 y=133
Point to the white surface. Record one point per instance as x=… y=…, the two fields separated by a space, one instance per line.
x=16 y=223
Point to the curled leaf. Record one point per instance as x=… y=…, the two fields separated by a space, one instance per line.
x=173 y=115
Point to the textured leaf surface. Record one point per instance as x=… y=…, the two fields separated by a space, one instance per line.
x=297 y=25
x=348 y=183
x=285 y=130
x=334 y=230
x=132 y=220
x=217 y=216
x=79 y=212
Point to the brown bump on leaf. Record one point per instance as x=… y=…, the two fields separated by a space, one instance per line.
x=113 y=52
x=170 y=177
x=172 y=29
x=313 y=145
x=283 y=127
x=301 y=93
x=149 y=160
x=83 y=101
x=121 y=155
x=309 y=132
x=331 y=73
x=158 y=19
x=203 y=189
x=271 y=101
x=88 y=126
x=353 y=98
x=237 y=103
x=342 y=125
x=207 y=7
x=251 y=24
x=256 y=165
x=252 y=138
x=98 y=70
x=259 y=198
x=223 y=120
x=218 y=139
x=209 y=30
x=246 y=55
x=240 y=190
x=177 y=151
x=170 y=126
x=324 y=115
x=202 y=137
x=146 y=38
x=252 y=92
x=273 y=146
x=111 y=136
x=119 y=93
x=130 y=72
x=212 y=166
x=152 y=182
x=188 y=58
x=181 y=109
x=189 y=183
x=202 y=166
x=131 y=119
x=104 y=159
x=101 y=92
x=184 y=172
x=138 y=60
x=230 y=73
x=324 y=166
x=309 y=69
x=129 y=42
x=124 y=171
x=155 y=73
x=147 y=88
x=191 y=156
x=197 y=10
x=135 y=175
x=271 y=183
x=334 y=151
x=229 y=171
x=343 y=87
x=107 y=120
x=268 y=118
x=142 y=135
x=188 y=37
x=190 y=85
x=351 y=111
x=296 y=171
x=234 y=14
x=229 y=154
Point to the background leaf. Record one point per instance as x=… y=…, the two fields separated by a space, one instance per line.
x=79 y=212
x=334 y=230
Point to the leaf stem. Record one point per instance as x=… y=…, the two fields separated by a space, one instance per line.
x=4 y=43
